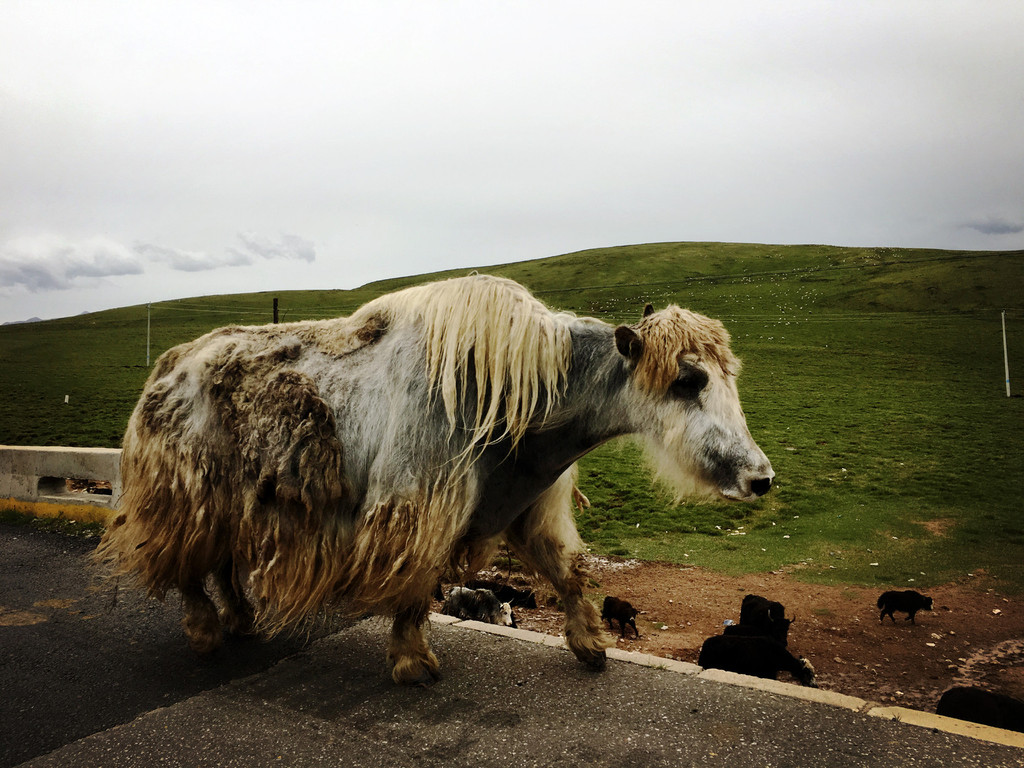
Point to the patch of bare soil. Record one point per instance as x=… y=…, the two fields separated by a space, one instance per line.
x=975 y=636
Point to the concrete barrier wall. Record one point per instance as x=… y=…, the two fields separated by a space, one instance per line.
x=82 y=484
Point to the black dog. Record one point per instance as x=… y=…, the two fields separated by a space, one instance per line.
x=908 y=601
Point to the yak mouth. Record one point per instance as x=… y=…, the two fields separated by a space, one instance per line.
x=710 y=474
x=749 y=489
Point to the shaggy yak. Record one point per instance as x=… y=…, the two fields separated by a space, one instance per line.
x=754 y=655
x=621 y=611
x=478 y=605
x=984 y=707
x=350 y=464
x=909 y=601
x=506 y=593
x=760 y=616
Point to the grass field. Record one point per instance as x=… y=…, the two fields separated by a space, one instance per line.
x=873 y=379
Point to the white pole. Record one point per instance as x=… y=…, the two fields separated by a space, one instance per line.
x=147 y=336
x=1006 y=357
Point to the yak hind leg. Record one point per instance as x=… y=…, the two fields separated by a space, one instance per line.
x=412 y=662
x=236 y=613
x=200 y=620
x=545 y=539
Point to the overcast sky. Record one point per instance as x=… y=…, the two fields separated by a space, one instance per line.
x=154 y=150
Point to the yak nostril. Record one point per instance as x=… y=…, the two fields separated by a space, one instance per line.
x=760 y=486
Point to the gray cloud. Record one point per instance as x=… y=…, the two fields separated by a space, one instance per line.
x=995 y=226
x=253 y=248
x=191 y=261
x=289 y=247
x=53 y=263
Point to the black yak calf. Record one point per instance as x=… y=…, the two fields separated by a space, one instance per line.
x=622 y=612
x=478 y=605
x=754 y=655
x=760 y=616
x=909 y=601
x=984 y=707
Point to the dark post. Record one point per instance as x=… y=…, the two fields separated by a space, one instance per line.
x=275 y=310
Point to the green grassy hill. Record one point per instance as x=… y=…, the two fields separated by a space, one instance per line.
x=873 y=378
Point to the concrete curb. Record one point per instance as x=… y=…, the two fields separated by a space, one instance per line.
x=812 y=695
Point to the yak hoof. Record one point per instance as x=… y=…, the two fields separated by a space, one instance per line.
x=412 y=670
x=203 y=631
x=425 y=679
x=595 y=660
x=205 y=643
x=238 y=624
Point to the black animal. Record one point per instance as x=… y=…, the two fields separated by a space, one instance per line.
x=754 y=655
x=984 y=707
x=517 y=598
x=622 y=612
x=760 y=616
x=478 y=605
x=909 y=601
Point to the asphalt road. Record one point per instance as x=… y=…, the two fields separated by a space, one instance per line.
x=89 y=683
x=73 y=661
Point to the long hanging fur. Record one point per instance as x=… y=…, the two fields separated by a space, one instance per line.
x=232 y=455
x=493 y=331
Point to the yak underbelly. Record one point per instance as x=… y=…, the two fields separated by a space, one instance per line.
x=508 y=490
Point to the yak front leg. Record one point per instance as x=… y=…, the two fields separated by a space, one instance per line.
x=545 y=539
x=412 y=661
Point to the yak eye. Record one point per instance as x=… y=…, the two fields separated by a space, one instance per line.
x=689 y=384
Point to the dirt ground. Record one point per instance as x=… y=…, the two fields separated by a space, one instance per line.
x=975 y=636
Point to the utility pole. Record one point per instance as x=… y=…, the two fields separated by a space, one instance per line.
x=1006 y=357
x=275 y=310
x=148 y=324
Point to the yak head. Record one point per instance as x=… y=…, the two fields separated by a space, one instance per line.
x=683 y=398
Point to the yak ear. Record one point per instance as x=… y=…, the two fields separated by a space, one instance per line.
x=648 y=310
x=629 y=344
